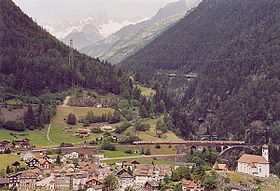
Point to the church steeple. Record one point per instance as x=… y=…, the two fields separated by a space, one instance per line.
x=265 y=153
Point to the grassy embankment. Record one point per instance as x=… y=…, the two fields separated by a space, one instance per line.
x=265 y=184
x=61 y=132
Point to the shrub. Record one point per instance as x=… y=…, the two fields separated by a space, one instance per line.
x=121 y=128
x=129 y=151
x=96 y=130
x=108 y=146
x=86 y=123
x=130 y=139
x=148 y=152
x=17 y=125
x=71 y=119
x=66 y=145
x=157 y=146
x=141 y=127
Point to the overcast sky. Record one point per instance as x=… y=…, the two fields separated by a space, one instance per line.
x=46 y=11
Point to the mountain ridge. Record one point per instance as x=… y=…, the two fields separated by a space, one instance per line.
x=122 y=44
x=33 y=62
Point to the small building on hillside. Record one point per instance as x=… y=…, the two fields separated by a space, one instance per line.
x=107 y=128
x=189 y=185
x=159 y=132
x=22 y=143
x=254 y=164
x=4 y=145
x=220 y=167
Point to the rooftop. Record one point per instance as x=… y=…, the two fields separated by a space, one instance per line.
x=189 y=184
x=250 y=159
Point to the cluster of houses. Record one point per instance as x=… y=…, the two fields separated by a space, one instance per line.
x=15 y=144
x=44 y=174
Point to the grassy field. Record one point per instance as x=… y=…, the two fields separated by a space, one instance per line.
x=145 y=91
x=142 y=160
x=36 y=137
x=267 y=184
x=8 y=160
x=63 y=112
x=151 y=134
x=61 y=132
x=120 y=153
x=164 y=149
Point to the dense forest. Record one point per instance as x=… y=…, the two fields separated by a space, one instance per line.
x=233 y=47
x=34 y=62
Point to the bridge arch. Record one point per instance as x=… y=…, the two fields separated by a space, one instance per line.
x=193 y=147
x=229 y=148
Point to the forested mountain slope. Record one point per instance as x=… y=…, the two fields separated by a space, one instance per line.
x=233 y=46
x=32 y=61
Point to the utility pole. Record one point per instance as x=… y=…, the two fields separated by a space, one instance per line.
x=71 y=63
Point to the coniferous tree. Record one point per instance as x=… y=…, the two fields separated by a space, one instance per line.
x=8 y=170
x=58 y=160
x=29 y=119
x=71 y=119
x=110 y=183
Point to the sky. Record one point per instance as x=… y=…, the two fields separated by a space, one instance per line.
x=53 y=11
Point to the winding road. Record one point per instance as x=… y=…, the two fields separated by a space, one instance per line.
x=65 y=102
x=48 y=133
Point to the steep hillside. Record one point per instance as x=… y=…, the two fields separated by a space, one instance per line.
x=131 y=38
x=233 y=47
x=32 y=61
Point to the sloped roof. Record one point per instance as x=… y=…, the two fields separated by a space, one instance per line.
x=125 y=175
x=152 y=183
x=218 y=166
x=250 y=159
x=189 y=184
x=144 y=170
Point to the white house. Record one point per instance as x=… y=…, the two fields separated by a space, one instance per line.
x=255 y=165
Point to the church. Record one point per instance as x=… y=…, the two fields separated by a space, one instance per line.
x=254 y=164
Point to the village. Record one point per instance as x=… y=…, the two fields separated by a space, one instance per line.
x=70 y=170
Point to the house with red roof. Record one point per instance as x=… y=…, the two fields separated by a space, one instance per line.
x=189 y=185
x=254 y=164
